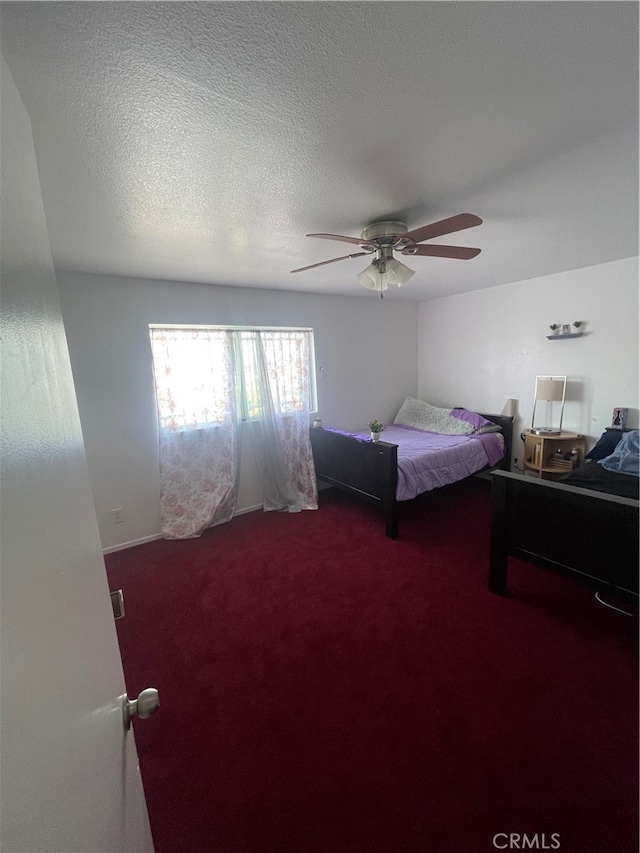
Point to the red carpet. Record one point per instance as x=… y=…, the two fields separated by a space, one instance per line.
x=327 y=690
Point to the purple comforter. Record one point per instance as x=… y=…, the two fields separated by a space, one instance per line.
x=427 y=460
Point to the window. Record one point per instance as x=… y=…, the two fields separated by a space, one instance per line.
x=288 y=359
x=198 y=368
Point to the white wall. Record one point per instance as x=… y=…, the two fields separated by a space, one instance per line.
x=476 y=350
x=367 y=349
x=479 y=349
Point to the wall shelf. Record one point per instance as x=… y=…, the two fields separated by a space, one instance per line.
x=562 y=337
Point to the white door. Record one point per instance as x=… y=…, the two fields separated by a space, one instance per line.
x=70 y=779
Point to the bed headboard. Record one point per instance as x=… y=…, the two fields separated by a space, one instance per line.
x=505 y=422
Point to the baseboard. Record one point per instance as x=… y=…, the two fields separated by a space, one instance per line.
x=124 y=545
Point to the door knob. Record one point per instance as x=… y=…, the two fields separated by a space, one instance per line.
x=143 y=707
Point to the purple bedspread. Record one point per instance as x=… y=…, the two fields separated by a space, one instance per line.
x=427 y=460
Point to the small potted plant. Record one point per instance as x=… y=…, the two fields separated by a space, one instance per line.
x=376 y=428
x=555 y=328
x=577 y=324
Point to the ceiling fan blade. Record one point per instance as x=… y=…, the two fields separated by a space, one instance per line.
x=461 y=253
x=444 y=226
x=332 y=260
x=355 y=240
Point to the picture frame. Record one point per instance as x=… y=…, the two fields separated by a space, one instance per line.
x=566 y=329
x=619 y=418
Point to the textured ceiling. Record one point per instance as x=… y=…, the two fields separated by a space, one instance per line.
x=202 y=141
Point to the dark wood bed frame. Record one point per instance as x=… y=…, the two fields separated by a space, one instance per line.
x=580 y=533
x=369 y=470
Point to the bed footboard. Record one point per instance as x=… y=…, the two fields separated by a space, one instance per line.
x=360 y=467
x=590 y=536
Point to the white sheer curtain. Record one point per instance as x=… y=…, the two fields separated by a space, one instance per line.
x=276 y=371
x=195 y=375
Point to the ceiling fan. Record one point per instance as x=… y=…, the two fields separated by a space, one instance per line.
x=385 y=238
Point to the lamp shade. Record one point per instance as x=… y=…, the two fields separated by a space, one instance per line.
x=372 y=279
x=550 y=389
x=398 y=273
x=509 y=408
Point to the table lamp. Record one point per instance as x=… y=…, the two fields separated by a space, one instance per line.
x=551 y=389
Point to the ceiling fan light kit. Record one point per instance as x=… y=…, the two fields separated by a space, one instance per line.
x=385 y=238
x=384 y=270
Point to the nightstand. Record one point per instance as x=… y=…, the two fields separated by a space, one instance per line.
x=550 y=456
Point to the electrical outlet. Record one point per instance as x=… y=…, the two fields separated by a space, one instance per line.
x=117 y=515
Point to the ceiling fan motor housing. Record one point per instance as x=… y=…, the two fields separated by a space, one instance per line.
x=383 y=233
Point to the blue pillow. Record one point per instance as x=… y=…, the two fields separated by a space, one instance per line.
x=606 y=444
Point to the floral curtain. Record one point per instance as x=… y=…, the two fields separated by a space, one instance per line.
x=195 y=373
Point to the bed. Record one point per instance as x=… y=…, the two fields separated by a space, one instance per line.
x=584 y=525
x=411 y=460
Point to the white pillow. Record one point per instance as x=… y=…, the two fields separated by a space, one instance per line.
x=421 y=415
